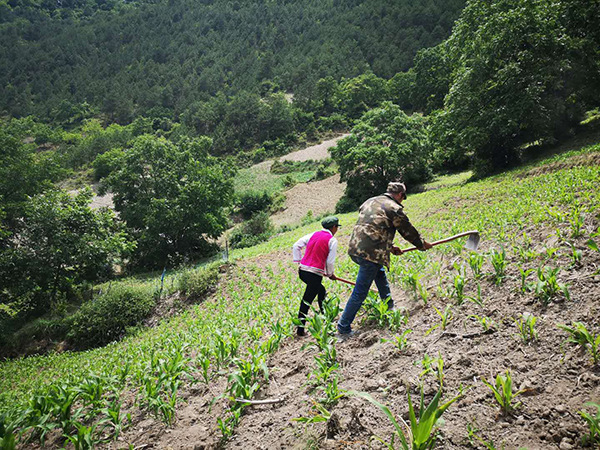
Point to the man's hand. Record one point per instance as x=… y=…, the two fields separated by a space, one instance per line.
x=396 y=250
x=332 y=277
x=426 y=246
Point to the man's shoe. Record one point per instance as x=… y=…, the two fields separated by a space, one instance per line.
x=301 y=332
x=342 y=337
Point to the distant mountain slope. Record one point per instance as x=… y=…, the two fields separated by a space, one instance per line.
x=136 y=57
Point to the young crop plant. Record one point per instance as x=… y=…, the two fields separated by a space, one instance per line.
x=320 y=414
x=445 y=318
x=484 y=321
x=576 y=221
x=434 y=366
x=526 y=325
x=524 y=274
x=458 y=293
x=593 y=423
x=476 y=263
x=400 y=341
x=477 y=299
x=84 y=439
x=8 y=439
x=576 y=256
x=503 y=392
x=546 y=287
x=580 y=335
x=421 y=433
x=499 y=263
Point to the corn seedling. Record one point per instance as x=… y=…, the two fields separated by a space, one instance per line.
x=580 y=335
x=476 y=263
x=377 y=310
x=524 y=274
x=423 y=428
x=499 y=263
x=526 y=325
x=593 y=422
x=8 y=440
x=472 y=435
x=477 y=299
x=576 y=255
x=114 y=417
x=84 y=439
x=400 y=341
x=445 y=318
x=332 y=391
x=320 y=414
x=484 y=321
x=503 y=392
x=576 y=221
x=547 y=286
x=434 y=366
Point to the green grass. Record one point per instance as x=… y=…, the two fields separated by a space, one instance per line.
x=259 y=178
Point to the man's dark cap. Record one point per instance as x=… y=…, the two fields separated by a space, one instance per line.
x=330 y=222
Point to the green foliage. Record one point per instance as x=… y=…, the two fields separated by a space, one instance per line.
x=503 y=392
x=547 y=286
x=196 y=283
x=385 y=145
x=506 y=92
x=23 y=173
x=423 y=427
x=61 y=243
x=105 y=318
x=580 y=335
x=252 y=232
x=499 y=263
x=106 y=163
x=526 y=325
x=593 y=422
x=251 y=202
x=172 y=198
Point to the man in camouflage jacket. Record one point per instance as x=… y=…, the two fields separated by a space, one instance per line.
x=370 y=247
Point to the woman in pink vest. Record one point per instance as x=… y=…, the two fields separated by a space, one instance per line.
x=318 y=261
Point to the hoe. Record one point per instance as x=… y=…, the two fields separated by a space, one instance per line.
x=471 y=244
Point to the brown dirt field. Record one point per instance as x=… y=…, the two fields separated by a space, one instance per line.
x=318 y=196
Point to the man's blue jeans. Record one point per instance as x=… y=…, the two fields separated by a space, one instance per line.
x=367 y=273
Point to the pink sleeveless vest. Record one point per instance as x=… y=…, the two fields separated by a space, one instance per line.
x=317 y=250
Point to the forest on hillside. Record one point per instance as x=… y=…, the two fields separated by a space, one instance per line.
x=131 y=59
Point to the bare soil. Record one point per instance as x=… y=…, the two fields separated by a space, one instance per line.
x=319 y=197
x=315 y=152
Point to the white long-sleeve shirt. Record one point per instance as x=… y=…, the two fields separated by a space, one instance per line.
x=329 y=264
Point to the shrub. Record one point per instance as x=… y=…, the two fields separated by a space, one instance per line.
x=106 y=163
x=252 y=202
x=106 y=318
x=196 y=283
x=252 y=232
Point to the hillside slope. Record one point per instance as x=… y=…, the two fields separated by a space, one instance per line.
x=237 y=343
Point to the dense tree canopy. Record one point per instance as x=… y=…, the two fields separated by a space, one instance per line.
x=171 y=197
x=385 y=145
x=522 y=72
x=66 y=60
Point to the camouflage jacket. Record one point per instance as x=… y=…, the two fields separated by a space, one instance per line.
x=373 y=235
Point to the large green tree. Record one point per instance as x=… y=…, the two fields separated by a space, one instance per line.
x=385 y=145
x=172 y=198
x=61 y=242
x=514 y=67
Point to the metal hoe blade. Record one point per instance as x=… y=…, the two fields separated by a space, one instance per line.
x=473 y=242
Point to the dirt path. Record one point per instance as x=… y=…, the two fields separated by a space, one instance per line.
x=316 y=152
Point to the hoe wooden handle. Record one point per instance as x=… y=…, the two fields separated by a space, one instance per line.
x=352 y=283
x=443 y=241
